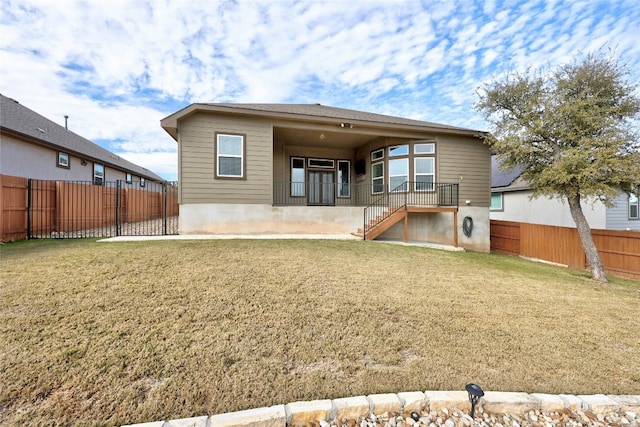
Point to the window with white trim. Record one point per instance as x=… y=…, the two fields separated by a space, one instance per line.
x=398 y=174
x=496 y=202
x=424 y=173
x=98 y=174
x=424 y=148
x=63 y=160
x=377 y=178
x=128 y=178
x=298 y=175
x=633 y=206
x=344 y=178
x=229 y=155
x=398 y=150
x=377 y=154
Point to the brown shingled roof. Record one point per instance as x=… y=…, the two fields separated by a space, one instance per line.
x=309 y=112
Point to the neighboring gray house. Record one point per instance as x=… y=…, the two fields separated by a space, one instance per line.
x=32 y=146
x=310 y=168
x=511 y=201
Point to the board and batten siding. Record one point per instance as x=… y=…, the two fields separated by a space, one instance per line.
x=469 y=158
x=197 y=160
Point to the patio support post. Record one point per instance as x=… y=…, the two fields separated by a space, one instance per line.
x=406 y=225
x=455 y=228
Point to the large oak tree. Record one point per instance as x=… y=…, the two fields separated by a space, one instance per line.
x=574 y=132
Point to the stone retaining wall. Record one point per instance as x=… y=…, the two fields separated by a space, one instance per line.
x=302 y=413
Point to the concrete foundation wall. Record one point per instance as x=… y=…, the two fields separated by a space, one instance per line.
x=207 y=218
x=265 y=219
x=438 y=228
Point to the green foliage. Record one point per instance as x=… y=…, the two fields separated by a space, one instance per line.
x=573 y=130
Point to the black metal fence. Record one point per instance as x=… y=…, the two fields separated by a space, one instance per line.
x=78 y=209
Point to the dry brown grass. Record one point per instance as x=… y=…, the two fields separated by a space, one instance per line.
x=114 y=333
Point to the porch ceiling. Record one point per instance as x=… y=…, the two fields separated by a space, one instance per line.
x=321 y=137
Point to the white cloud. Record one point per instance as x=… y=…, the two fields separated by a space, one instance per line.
x=116 y=68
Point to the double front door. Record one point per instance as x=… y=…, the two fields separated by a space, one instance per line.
x=321 y=188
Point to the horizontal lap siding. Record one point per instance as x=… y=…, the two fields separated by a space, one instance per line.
x=197 y=160
x=470 y=159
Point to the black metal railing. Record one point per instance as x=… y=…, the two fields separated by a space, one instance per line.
x=332 y=194
x=77 y=209
x=321 y=194
x=408 y=194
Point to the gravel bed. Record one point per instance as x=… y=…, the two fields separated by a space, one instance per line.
x=457 y=418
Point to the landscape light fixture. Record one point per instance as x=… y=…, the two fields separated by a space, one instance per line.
x=475 y=393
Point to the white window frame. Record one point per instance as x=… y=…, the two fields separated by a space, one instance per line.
x=416 y=174
x=377 y=178
x=342 y=185
x=377 y=155
x=240 y=156
x=417 y=148
x=493 y=208
x=395 y=147
x=319 y=163
x=297 y=185
x=63 y=160
x=98 y=178
x=405 y=175
x=128 y=178
x=633 y=202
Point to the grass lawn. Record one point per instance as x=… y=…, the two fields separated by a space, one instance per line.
x=114 y=333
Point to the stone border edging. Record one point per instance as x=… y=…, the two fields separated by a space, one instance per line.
x=300 y=413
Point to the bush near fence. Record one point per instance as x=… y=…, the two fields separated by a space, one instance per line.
x=619 y=250
x=63 y=206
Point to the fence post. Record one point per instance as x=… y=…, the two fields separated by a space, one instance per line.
x=117 y=204
x=164 y=208
x=29 y=209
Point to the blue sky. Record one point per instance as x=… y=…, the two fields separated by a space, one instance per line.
x=117 y=67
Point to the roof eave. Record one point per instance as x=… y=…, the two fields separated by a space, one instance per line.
x=170 y=123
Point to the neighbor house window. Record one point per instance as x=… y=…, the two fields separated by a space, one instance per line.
x=496 y=202
x=297 y=177
x=344 y=178
x=98 y=174
x=398 y=174
x=633 y=206
x=377 y=177
x=142 y=182
x=63 y=160
x=229 y=156
x=424 y=173
x=128 y=178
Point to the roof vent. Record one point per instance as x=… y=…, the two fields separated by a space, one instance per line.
x=66 y=118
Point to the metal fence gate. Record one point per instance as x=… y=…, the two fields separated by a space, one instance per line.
x=78 y=209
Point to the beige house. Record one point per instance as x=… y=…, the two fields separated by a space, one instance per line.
x=298 y=168
x=32 y=146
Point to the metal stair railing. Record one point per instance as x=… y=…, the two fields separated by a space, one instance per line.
x=385 y=206
x=408 y=193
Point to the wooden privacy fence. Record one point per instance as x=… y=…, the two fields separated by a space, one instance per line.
x=619 y=250
x=65 y=209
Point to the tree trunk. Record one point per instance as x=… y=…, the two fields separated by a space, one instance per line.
x=589 y=247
